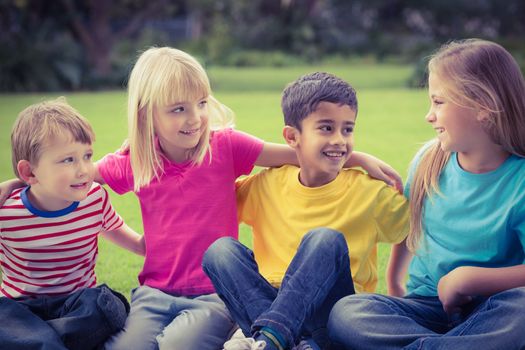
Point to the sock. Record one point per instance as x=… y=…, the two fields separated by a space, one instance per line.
x=271 y=337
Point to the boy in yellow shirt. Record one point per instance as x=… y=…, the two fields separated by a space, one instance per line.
x=310 y=225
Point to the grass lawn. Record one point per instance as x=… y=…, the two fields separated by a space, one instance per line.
x=390 y=125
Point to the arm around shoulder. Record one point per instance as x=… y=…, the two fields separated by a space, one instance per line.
x=276 y=155
x=97 y=177
x=376 y=168
x=127 y=238
x=9 y=186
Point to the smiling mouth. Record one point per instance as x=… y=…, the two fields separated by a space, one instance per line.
x=189 y=132
x=82 y=185
x=334 y=154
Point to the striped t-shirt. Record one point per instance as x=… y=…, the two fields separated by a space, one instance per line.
x=52 y=253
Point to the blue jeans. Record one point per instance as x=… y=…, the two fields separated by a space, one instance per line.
x=162 y=321
x=372 y=321
x=81 y=320
x=318 y=276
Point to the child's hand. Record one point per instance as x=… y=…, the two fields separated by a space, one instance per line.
x=7 y=187
x=450 y=290
x=377 y=169
x=389 y=175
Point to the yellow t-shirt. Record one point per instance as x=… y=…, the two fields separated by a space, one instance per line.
x=281 y=211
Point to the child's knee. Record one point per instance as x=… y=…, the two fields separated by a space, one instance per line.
x=219 y=253
x=196 y=329
x=326 y=238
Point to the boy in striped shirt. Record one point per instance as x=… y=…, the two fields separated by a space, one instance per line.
x=49 y=237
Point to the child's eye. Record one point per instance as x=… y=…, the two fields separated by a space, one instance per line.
x=203 y=104
x=68 y=160
x=348 y=130
x=325 y=128
x=88 y=156
x=177 y=109
x=437 y=102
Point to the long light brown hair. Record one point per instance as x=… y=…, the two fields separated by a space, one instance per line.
x=482 y=75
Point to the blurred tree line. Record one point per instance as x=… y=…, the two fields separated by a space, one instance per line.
x=73 y=44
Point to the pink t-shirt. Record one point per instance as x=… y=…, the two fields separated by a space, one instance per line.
x=187 y=210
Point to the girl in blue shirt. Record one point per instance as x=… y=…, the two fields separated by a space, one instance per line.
x=467 y=233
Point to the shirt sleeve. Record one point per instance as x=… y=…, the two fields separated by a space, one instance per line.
x=518 y=215
x=115 y=169
x=111 y=220
x=245 y=150
x=246 y=192
x=413 y=166
x=391 y=216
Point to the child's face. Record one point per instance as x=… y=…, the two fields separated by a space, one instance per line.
x=457 y=127
x=63 y=175
x=180 y=126
x=325 y=143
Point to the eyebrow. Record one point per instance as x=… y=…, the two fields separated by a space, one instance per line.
x=331 y=121
x=183 y=102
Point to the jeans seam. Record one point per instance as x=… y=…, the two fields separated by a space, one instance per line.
x=416 y=318
x=468 y=323
x=235 y=297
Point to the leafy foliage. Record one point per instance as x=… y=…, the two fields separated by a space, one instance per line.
x=76 y=44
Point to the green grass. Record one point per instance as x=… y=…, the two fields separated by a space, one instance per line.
x=390 y=125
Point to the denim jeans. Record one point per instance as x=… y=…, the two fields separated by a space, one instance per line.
x=78 y=321
x=162 y=321
x=318 y=276
x=372 y=321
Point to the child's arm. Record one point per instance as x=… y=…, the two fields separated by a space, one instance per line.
x=274 y=155
x=128 y=239
x=376 y=168
x=97 y=177
x=397 y=268
x=9 y=186
x=461 y=284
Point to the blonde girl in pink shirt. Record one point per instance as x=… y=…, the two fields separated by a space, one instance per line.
x=181 y=160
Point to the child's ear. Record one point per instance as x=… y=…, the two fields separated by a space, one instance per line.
x=483 y=116
x=290 y=135
x=25 y=171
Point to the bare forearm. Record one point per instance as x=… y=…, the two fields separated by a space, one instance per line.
x=128 y=239
x=489 y=281
x=275 y=155
x=97 y=177
x=397 y=268
x=9 y=186
x=12 y=184
x=376 y=168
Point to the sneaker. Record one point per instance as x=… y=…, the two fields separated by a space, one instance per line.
x=306 y=344
x=244 y=344
x=238 y=334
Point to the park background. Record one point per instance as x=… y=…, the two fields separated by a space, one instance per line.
x=84 y=50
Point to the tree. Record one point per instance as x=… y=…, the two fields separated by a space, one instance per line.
x=99 y=24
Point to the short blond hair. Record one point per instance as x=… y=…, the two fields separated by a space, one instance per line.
x=41 y=122
x=161 y=76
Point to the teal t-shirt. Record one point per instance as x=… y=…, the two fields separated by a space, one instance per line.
x=478 y=220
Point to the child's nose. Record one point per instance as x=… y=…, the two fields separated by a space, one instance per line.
x=82 y=168
x=338 y=139
x=194 y=117
x=430 y=117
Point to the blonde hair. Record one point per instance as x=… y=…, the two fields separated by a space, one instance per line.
x=41 y=122
x=161 y=77
x=482 y=75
